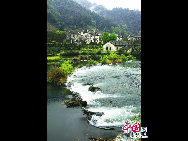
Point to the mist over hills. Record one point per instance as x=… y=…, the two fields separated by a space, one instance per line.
x=81 y=14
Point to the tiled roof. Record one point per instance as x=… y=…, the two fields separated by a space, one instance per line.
x=120 y=43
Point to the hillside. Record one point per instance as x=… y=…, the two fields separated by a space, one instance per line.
x=120 y=16
x=67 y=14
x=51 y=28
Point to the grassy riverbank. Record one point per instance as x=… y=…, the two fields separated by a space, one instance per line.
x=64 y=65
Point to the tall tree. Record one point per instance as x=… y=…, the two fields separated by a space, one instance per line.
x=106 y=37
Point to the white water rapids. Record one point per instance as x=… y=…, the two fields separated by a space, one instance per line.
x=120 y=95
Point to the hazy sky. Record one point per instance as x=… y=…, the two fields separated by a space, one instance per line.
x=110 y=4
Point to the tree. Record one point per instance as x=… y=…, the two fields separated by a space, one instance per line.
x=106 y=37
x=112 y=37
x=60 y=32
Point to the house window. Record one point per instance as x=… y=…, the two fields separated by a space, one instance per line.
x=110 y=48
x=106 y=48
x=117 y=48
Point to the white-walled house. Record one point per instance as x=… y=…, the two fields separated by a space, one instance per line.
x=114 y=45
x=109 y=46
x=86 y=36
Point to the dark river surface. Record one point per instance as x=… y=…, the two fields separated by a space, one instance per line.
x=120 y=84
x=69 y=124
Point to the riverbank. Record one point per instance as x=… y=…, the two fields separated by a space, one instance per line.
x=62 y=69
x=70 y=124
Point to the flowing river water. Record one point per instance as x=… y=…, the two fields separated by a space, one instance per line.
x=119 y=99
x=120 y=95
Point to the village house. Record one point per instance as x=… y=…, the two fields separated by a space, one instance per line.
x=92 y=37
x=85 y=36
x=114 y=45
x=120 y=43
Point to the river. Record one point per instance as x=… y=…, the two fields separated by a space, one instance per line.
x=119 y=100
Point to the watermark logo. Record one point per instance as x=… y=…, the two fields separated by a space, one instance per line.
x=135 y=131
x=126 y=126
x=136 y=127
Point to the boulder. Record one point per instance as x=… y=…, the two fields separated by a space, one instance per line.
x=87 y=84
x=93 y=89
x=83 y=103
x=72 y=102
x=99 y=113
x=89 y=113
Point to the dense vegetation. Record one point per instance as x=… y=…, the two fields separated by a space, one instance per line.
x=66 y=61
x=76 y=16
x=68 y=15
x=79 y=17
x=120 y=16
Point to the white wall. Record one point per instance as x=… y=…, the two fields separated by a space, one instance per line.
x=109 y=46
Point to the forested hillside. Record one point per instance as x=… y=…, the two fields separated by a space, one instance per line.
x=120 y=16
x=67 y=14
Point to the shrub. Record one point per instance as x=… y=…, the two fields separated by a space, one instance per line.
x=113 y=56
x=54 y=75
x=104 y=59
x=123 y=57
x=92 y=62
x=131 y=57
x=108 y=61
x=67 y=68
x=119 y=60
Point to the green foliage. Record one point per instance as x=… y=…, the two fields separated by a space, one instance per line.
x=60 y=32
x=112 y=37
x=104 y=59
x=137 y=118
x=123 y=57
x=122 y=16
x=70 y=53
x=54 y=75
x=106 y=37
x=113 y=56
x=57 y=36
x=66 y=68
x=92 y=62
x=67 y=14
x=137 y=51
x=130 y=57
x=53 y=58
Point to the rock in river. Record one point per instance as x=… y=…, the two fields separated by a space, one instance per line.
x=73 y=102
x=93 y=89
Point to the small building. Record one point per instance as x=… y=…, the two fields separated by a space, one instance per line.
x=109 y=46
x=114 y=45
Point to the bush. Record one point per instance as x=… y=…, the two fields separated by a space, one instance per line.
x=123 y=57
x=92 y=62
x=70 y=53
x=54 y=75
x=104 y=59
x=127 y=58
x=113 y=56
x=131 y=57
x=67 y=68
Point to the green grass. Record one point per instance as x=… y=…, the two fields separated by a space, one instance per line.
x=52 y=58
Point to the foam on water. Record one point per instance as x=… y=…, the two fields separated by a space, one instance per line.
x=113 y=116
x=88 y=95
x=117 y=83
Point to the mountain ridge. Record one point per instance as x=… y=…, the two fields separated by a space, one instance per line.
x=81 y=14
